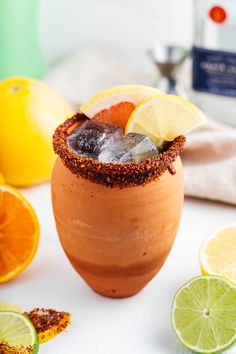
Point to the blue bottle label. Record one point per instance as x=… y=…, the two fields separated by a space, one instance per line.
x=214 y=71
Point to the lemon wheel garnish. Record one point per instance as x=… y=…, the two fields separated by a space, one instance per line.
x=164 y=117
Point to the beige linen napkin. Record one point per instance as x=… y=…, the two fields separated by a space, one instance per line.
x=210 y=154
x=210 y=163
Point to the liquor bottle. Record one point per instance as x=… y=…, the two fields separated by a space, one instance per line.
x=19 y=48
x=214 y=58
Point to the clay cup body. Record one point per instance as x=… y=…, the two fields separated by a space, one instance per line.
x=116 y=222
x=116 y=239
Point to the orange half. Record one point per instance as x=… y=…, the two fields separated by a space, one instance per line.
x=19 y=233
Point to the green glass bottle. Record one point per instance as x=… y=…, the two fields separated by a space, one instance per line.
x=19 y=48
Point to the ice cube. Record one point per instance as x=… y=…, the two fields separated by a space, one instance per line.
x=132 y=147
x=89 y=137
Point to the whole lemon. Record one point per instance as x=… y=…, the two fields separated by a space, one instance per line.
x=29 y=113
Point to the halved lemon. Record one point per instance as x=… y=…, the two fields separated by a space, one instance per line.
x=19 y=233
x=115 y=105
x=164 y=117
x=6 y=306
x=218 y=253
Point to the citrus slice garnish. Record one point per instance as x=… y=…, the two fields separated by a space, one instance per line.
x=48 y=323
x=204 y=314
x=116 y=115
x=19 y=233
x=218 y=253
x=164 y=117
x=115 y=105
x=17 y=334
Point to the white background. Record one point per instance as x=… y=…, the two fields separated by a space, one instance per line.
x=125 y=27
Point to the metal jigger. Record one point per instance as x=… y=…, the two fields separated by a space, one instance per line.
x=168 y=60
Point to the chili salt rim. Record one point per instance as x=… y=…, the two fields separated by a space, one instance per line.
x=113 y=174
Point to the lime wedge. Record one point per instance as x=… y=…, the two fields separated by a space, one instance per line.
x=204 y=314
x=17 y=331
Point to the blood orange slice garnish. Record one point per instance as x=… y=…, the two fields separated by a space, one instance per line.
x=117 y=115
x=115 y=105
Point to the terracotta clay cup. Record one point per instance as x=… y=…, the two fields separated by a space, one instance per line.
x=116 y=222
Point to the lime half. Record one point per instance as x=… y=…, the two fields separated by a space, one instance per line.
x=204 y=314
x=17 y=331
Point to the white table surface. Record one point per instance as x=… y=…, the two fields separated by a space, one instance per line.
x=137 y=325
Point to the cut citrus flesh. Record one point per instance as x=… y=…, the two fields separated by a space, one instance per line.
x=17 y=334
x=19 y=233
x=115 y=105
x=204 y=314
x=117 y=114
x=48 y=323
x=164 y=117
x=5 y=306
x=218 y=253
x=1 y=178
